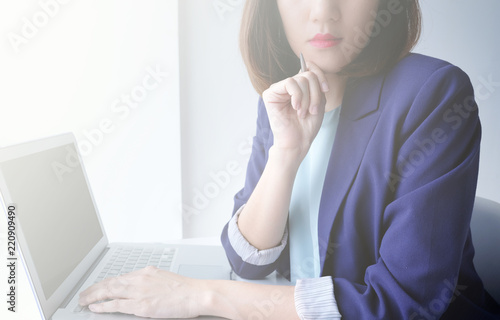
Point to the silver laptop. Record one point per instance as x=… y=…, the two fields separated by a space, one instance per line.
x=60 y=236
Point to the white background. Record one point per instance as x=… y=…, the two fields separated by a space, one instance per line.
x=90 y=53
x=68 y=77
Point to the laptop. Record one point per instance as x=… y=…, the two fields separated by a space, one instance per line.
x=60 y=237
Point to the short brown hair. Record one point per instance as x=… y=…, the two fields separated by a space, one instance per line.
x=269 y=58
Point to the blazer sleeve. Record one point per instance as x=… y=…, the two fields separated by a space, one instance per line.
x=427 y=217
x=262 y=141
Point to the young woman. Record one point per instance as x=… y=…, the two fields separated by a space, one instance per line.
x=360 y=184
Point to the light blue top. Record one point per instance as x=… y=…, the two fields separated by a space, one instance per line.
x=314 y=296
x=305 y=200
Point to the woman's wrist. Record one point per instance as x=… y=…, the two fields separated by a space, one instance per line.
x=288 y=158
x=240 y=300
x=213 y=302
x=263 y=220
x=205 y=298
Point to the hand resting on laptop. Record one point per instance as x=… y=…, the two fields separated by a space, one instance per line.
x=149 y=292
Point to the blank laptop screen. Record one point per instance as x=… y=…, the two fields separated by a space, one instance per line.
x=55 y=211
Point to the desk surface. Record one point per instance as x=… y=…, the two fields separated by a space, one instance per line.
x=274 y=278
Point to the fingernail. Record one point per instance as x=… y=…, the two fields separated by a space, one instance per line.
x=325 y=87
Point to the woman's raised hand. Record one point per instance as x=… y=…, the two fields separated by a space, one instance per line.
x=296 y=107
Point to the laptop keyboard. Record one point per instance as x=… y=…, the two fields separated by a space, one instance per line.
x=128 y=259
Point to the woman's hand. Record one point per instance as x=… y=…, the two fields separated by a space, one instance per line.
x=156 y=293
x=296 y=107
x=149 y=292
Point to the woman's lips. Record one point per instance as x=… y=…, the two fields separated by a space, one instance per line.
x=324 y=41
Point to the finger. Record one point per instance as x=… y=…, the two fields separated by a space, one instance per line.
x=316 y=96
x=111 y=288
x=87 y=296
x=321 y=76
x=293 y=89
x=303 y=82
x=117 y=305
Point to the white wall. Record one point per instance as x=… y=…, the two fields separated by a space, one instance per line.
x=219 y=104
x=218 y=113
x=72 y=72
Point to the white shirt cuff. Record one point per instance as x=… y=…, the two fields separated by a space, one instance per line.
x=315 y=299
x=246 y=251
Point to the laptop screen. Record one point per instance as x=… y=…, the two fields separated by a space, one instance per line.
x=55 y=211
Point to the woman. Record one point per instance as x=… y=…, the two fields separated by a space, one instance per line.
x=360 y=184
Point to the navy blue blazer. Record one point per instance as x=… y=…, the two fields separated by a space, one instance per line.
x=397 y=198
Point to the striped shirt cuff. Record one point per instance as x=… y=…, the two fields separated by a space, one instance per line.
x=314 y=299
x=246 y=251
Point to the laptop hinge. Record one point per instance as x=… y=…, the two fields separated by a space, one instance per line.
x=82 y=280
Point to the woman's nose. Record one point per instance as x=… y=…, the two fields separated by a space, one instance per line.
x=324 y=10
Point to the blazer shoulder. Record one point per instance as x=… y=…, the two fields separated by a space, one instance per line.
x=396 y=89
x=422 y=89
x=423 y=62
x=416 y=69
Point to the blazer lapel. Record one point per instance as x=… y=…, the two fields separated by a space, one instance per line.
x=358 y=117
